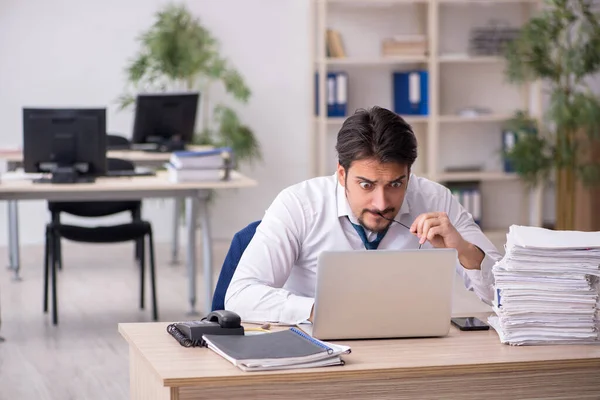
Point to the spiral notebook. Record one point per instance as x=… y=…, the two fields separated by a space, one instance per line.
x=286 y=349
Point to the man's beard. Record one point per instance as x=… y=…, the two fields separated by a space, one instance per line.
x=376 y=229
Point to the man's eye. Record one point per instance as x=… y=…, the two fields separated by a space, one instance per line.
x=396 y=184
x=365 y=185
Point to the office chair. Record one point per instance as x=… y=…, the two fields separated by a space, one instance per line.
x=137 y=230
x=116 y=142
x=236 y=249
x=94 y=209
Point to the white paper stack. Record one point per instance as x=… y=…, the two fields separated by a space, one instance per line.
x=547 y=287
x=198 y=166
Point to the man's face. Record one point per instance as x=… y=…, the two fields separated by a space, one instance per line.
x=372 y=187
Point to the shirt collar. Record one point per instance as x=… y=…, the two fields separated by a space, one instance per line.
x=344 y=210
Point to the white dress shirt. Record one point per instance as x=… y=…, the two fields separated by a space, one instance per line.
x=276 y=275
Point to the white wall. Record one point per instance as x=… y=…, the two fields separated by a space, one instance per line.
x=72 y=53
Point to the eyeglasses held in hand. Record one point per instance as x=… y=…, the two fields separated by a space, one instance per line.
x=398 y=222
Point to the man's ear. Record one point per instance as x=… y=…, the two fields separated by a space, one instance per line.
x=341 y=173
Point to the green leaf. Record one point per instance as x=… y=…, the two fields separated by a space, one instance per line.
x=124 y=101
x=521 y=122
x=236 y=135
x=178 y=52
x=205 y=138
x=138 y=68
x=587 y=108
x=531 y=157
x=234 y=84
x=589 y=173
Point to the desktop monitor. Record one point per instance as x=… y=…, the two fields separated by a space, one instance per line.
x=165 y=121
x=68 y=143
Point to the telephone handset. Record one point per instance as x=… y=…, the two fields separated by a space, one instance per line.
x=219 y=322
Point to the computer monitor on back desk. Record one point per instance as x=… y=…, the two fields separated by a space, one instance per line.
x=70 y=144
x=164 y=122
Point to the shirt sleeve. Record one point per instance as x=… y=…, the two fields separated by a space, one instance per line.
x=255 y=292
x=480 y=281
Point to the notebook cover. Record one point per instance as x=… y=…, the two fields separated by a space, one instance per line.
x=276 y=345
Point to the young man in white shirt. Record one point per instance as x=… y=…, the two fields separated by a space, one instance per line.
x=351 y=210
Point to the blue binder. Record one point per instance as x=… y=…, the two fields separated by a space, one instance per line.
x=411 y=92
x=336 y=93
x=509 y=139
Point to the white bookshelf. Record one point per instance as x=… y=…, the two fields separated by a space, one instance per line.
x=456 y=80
x=375 y=61
x=468 y=119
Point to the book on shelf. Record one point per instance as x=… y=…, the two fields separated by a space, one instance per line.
x=404 y=45
x=334 y=45
x=286 y=349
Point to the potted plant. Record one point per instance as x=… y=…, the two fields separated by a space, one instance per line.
x=177 y=53
x=560 y=48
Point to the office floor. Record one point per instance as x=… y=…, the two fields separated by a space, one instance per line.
x=85 y=357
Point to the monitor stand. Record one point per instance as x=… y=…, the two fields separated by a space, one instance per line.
x=66 y=174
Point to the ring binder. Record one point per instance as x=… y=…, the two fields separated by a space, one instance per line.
x=313 y=340
x=285 y=349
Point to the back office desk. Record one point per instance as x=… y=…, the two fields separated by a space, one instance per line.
x=14 y=160
x=462 y=366
x=132 y=188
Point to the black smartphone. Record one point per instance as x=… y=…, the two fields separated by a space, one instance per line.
x=470 y=324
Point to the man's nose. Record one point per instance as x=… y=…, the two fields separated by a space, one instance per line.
x=378 y=200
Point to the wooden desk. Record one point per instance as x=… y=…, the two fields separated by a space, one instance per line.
x=14 y=160
x=14 y=157
x=463 y=365
x=134 y=188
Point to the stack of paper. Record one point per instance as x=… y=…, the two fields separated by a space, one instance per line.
x=198 y=166
x=547 y=287
x=286 y=349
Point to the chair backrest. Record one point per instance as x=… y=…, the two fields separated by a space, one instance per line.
x=119 y=164
x=236 y=249
x=116 y=142
x=98 y=208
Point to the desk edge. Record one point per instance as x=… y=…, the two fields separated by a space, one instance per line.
x=338 y=373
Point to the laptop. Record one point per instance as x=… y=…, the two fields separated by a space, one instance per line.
x=364 y=294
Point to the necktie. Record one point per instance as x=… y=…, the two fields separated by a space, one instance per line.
x=369 y=245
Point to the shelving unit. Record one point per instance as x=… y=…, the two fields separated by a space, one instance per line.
x=456 y=80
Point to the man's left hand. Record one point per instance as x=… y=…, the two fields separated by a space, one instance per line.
x=436 y=228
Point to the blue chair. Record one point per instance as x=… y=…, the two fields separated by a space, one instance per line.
x=238 y=245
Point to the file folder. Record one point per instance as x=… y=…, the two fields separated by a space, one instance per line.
x=509 y=139
x=336 y=93
x=411 y=92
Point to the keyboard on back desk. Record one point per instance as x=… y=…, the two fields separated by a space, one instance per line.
x=131 y=173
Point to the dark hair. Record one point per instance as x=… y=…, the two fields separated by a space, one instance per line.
x=376 y=133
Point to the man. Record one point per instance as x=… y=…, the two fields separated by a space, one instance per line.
x=351 y=210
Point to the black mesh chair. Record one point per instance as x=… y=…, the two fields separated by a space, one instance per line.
x=137 y=231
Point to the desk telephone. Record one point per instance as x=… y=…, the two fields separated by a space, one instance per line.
x=219 y=322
